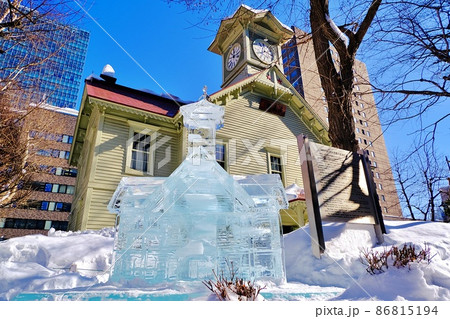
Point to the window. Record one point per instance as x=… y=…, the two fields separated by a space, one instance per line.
x=67 y=139
x=221 y=155
x=64 y=154
x=62 y=189
x=55 y=206
x=365 y=124
x=24 y=223
x=363 y=114
x=377 y=175
x=44 y=205
x=383 y=198
x=380 y=187
x=70 y=189
x=372 y=153
x=385 y=210
x=374 y=164
x=43 y=152
x=51 y=206
x=53 y=188
x=368 y=133
x=60 y=225
x=276 y=166
x=140 y=149
x=358 y=130
x=140 y=152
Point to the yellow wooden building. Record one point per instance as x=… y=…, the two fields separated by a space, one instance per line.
x=126 y=132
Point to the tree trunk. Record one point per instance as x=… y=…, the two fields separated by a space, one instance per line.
x=337 y=84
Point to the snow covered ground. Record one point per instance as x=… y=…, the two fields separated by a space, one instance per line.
x=75 y=265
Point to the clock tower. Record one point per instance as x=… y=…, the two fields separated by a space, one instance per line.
x=249 y=41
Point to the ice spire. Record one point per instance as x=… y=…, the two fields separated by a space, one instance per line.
x=202 y=119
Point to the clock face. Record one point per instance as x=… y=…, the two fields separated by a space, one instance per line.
x=263 y=51
x=233 y=57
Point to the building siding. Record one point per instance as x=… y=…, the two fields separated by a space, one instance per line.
x=247 y=126
x=108 y=166
x=111 y=152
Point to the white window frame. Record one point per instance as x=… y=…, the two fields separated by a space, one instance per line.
x=141 y=128
x=281 y=156
x=223 y=142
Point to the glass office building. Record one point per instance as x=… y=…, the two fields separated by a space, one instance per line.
x=53 y=61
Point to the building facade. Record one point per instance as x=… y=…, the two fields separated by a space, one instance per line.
x=48 y=133
x=57 y=55
x=301 y=70
x=125 y=132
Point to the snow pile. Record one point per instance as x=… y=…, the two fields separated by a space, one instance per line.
x=77 y=261
x=61 y=260
x=341 y=266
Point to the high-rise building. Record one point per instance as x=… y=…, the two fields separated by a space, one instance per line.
x=54 y=56
x=301 y=70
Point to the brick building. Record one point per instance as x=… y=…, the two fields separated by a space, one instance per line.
x=48 y=134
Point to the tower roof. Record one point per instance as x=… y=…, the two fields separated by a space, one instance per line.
x=243 y=16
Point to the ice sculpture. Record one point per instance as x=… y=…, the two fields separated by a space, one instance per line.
x=200 y=218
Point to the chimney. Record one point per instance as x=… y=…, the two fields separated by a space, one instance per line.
x=108 y=74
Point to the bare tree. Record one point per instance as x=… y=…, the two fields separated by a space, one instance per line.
x=27 y=45
x=13 y=173
x=405 y=178
x=420 y=176
x=411 y=43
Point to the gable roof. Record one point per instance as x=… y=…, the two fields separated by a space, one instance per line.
x=274 y=82
x=125 y=100
x=138 y=99
x=242 y=16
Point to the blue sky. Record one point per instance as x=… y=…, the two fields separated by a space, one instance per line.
x=154 y=46
x=164 y=51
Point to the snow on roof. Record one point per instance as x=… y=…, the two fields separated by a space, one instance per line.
x=109 y=71
x=257 y=11
x=63 y=110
